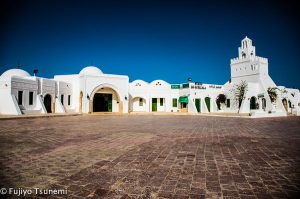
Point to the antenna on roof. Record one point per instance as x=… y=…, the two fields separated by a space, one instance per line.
x=18 y=64
x=35 y=71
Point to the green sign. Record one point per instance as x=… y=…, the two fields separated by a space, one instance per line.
x=175 y=86
x=185 y=85
x=183 y=99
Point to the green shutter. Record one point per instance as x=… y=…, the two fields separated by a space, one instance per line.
x=174 y=102
x=207 y=102
x=154 y=104
x=198 y=105
x=110 y=103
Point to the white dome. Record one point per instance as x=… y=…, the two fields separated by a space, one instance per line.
x=15 y=72
x=91 y=70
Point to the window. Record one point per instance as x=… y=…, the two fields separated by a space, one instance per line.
x=161 y=101
x=62 y=99
x=141 y=102
x=30 y=98
x=228 y=103
x=175 y=102
x=69 y=100
x=243 y=55
x=20 y=97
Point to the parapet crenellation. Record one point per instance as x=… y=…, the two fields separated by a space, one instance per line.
x=256 y=58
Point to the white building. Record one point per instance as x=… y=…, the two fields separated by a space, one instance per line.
x=92 y=91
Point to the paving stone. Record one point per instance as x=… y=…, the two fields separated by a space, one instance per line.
x=153 y=156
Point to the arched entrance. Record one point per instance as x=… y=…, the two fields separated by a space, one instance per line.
x=285 y=104
x=264 y=103
x=138 y=104
x=80 y=101
x=48 y=103
x=253 y=103
x=105 y=99
x=207 y=102
x=198 y=104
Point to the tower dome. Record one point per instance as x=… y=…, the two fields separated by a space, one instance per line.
x=91 y=70
x=15 y=72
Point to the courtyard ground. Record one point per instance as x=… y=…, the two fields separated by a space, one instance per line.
x=146 y=156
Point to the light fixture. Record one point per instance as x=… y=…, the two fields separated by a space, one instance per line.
x=87 y=96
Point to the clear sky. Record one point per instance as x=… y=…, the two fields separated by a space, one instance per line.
x=149 y=39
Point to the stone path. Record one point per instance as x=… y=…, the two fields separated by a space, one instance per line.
x=153 y=156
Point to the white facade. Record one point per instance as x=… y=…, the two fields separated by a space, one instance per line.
x=92 y=91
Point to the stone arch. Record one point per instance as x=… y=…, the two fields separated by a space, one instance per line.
x=107 y=89
x=49 y=103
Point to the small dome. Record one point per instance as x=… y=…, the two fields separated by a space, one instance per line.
x=91 y=70
x=15 y=72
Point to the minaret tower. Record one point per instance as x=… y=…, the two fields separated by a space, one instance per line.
x=247 y=66
x=246 y=51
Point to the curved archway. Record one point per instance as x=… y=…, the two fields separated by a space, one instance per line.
x=138 y=104
x=253 y=103
x=48 y=103
x=105 y=98
x=264 y=103
x=285 y=104
x=207 y=102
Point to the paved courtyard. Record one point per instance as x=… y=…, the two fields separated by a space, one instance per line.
x=144 y=156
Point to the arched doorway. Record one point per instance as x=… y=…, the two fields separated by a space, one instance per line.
x=264 y=103
x=48 y=103
x=198 y=104
x=253 y=103
x=105 y=99
x=285 y=104
x=138 y=104
x=80 y=101
x=207 y=102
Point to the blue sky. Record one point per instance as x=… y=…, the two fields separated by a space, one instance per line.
x=148 y=39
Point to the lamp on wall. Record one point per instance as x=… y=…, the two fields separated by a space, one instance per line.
x=126 y=98
x=87 y=96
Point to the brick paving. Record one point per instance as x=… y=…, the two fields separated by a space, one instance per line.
x=136 y=156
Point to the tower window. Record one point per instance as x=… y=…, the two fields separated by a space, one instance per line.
x=243 y=55
x=62 y=99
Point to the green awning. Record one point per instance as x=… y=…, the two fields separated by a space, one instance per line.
x=184 y=99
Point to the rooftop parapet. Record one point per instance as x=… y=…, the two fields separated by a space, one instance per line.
x=256 y=58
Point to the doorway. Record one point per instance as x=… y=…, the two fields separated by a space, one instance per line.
x=154 y=104
x=102 y=102
x=198 y=105
x=252 y=103
x=48 y=103
x=207 y=102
